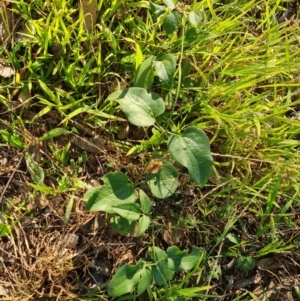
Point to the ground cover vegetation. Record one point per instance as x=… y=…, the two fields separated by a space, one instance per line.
x=149 y=150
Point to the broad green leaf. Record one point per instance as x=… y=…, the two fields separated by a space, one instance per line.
x=130 y=211
x=54 y=133
x=195 y=17
x=157 y=10
x=170 y=4
x=165 y=68
x=171 y=22
x=125 y=280
x=144 y=74
x=116 y=190
x=128 y=277
x=36 y=172
x=181 y=260
x=160 y=270
x=144 y=223
x=122 y=225
x=145 y=280
x=140 y=107
x=163 y=183
x=192 y=150
x=190 y=35
x=12 y=139
x=145 y=202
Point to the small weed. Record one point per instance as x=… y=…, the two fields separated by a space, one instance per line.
x=145 y=129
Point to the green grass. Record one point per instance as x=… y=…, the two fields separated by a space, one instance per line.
x=237 y=78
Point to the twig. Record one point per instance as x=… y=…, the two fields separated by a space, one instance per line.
x=10 y=178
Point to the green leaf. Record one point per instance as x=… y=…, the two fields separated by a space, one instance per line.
x=181 y=260
x=128 y=277
x=165 y=182
x=116 y=190
x=233 y=238
x=195 y=17
x=129 y=211
x=36 y=172
x=165 y=68
x=54 y=133
x=170 y=4
x=190 y=36
x=245 y=263
x=192 y=150
x=51 y=95
x=124 y=281
x=4 y=229
x=171 y=22
x=12 y=139
x=186 y=67
x=160 y=269
x=157 y=10
x=144 y=223
x=144 y=74
x=122 y=225
x=140 y=107
x=145 y=280
x=145 y=202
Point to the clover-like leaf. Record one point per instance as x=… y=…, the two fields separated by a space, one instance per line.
x=165 y=68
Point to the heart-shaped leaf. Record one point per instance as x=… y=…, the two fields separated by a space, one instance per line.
x=115 y=191
x=128 y=277
x=122 y=225
x=130 y=211
x=144 y=223
x=171 y=22
x=195 y=17
x=165 y=68
x=157 y=10
x=140 y=107
x=181 y=260
x=192 y=150
x=170 y=4
x=145 y=202
x=160 y=270
x=165 y=182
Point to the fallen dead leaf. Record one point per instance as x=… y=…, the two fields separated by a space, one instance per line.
x=268 y=264
x=70 y=241
x=5 y=69
x=3 y=291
